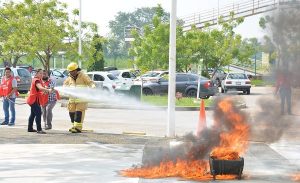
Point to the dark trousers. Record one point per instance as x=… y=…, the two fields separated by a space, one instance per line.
x=35 y=113
x=286 y=96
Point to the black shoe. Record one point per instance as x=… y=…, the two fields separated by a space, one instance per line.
x=32 y=130
x=41 y=132
x=4 y=123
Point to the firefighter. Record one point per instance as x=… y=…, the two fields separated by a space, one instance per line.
x=76 y=106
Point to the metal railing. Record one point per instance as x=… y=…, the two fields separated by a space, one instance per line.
x=242 y=9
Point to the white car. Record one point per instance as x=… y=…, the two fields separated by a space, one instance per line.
x=151 y=76
x=236 y=82
x=58 y=77
x=104 y=80
x=126 y=78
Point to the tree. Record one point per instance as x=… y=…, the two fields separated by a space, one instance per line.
x=97 y=64
x=151 y=49
x=114 y=48
x=216 y=47
x=137 y=19
x=35 y=28
x=284 y=32
x=125 y=22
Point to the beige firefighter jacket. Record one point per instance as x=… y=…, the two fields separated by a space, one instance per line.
x=82 y=80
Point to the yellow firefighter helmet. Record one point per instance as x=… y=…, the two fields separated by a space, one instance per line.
x=72 y=66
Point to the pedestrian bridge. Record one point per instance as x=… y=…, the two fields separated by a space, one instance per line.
x=242 y=9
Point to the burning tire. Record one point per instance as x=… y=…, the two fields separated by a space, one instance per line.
x=226 y=167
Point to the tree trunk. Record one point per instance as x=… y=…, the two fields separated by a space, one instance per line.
x=115 y=61
x=15 y=61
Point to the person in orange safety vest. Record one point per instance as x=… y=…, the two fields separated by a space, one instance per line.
x=9 y=92
x=35 y=97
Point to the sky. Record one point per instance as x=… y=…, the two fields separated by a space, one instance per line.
x=101 y=12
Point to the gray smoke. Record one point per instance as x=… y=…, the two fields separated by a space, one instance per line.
x=283 y=28
x=268 y=124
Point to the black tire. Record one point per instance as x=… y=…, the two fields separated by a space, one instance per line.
x=218 y=82
x=222 y=90
x=248 y=92
x=147 y=91
x=105 y=89
x=192 y=93
x=23 y=92
x=245 y=91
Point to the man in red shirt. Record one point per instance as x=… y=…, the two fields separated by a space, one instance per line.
x=283 y=86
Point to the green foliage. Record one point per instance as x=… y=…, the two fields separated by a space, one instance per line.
x=41 y=29
x=183 y=102
x=124 y=22
x=97 y=63
x=216 y=47
x=34 y=28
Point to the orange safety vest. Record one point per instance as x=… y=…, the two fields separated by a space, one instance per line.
x=6 y=86
x=34 y=94
x=45 y=96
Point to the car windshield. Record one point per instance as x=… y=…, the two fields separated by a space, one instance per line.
x=23 y=73
x=115 y=73
x=237 y=76
x=111 y=77
x=151 y=74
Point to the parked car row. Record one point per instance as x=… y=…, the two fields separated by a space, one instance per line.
x=154 y=82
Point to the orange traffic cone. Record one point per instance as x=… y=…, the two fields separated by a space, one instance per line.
x=202 y=118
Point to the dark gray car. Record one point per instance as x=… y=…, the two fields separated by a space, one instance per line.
x=186 y=84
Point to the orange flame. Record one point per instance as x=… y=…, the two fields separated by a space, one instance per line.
x=233 y=143
x=181 y=168
x=296 y=177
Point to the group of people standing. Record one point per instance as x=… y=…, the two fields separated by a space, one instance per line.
x=42 y=99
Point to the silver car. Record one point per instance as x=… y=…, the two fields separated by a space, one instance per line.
x=22 y=76
x=58 y=77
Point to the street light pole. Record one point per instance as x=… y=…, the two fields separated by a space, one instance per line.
x=218 y=12
x=79 y=36
x=172 y=71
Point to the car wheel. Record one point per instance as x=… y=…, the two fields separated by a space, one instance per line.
x=222 y=90
x=244 y=92
x=218 y=82
x=191 y=93
x=105 y=89
x=147 y=91
x=248 y=92
x=23 y=92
